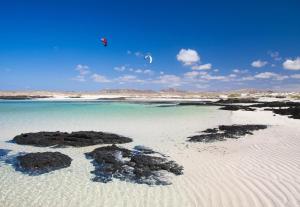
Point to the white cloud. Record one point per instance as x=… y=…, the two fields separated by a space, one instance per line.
x=270 y=75
x=248 y=78
x=129 y=79
x=236 y=70
x=202 y=67
x=296 y=76
x=259 y=63
x=170 y=80
x=240 y=71
x=191 y=74
x=138 y=71
x=138 y=54
x=148 y=72
x=212 y=77
x=141 y=71
x=100 y=78
x=120 y=68
x=291 y=64
x=83 y=71
x=188 y=56
x=274 y=55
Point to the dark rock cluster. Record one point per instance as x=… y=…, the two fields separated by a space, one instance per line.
x=237 y=100
x=236 y=108
x=131 y=165
x=225 y=131
x=291 y=112
x=42 y=162
x=76 y=139
x=276 y=104
x=291 y=109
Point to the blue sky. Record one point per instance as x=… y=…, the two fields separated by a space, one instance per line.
x=196 y=45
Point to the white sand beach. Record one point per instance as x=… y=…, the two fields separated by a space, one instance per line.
x=257 y=170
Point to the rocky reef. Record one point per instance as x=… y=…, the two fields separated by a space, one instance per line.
x=135 y=166
x=75 y=139
x=225 y=131
x=42 y=162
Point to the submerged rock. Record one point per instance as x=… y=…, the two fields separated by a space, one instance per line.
x=76 y=139
x=4 y=152
x=3 y=155
x=115 y=162
x=225 y=131
x=43 y=162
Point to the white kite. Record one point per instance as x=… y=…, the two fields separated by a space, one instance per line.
x=148 y=58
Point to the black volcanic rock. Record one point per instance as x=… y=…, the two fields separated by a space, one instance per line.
x=115 y=162
x=277 y=104
x=212 y=130
x=237 y=100
x=236 y=107
x=225 y=131
x=76 y=139
x=236 y=131
x=291 y=109
x=196 y=103
x=43 y=162
x=292 y=112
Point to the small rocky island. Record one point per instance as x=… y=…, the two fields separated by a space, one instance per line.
x=132 y=165
x=42 y=162
x=75 y=139
x=225 y=131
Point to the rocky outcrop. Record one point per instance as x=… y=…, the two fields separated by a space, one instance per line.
x=42 y=162
x=75 y=139
x=237 y=100
x=291 y=112
x=236 y=108
x=225 y=131
x=132 y=166
x=291 y=109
